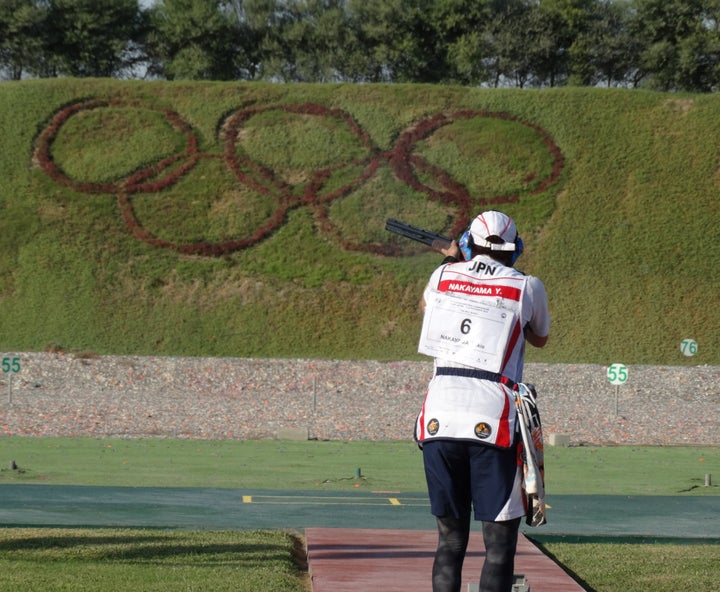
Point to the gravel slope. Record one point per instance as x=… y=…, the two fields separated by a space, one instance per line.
x=233 y=398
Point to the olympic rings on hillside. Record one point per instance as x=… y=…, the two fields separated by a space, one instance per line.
x=339 y=175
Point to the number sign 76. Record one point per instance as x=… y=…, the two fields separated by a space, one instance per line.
x=10 y=365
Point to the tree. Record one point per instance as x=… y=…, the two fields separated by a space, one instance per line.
x=460 y=46
x=680 y=46
x=300 y=40
x=556 y=26
x=390 y=41
x=93 y=37
x=194 y=40
x=22 y=24
x=509 y=38
x=605 y=51
x=698 y=62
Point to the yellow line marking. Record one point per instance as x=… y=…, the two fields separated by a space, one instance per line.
x=330 y=500
x=322 y=503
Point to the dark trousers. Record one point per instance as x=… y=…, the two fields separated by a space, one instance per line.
x=500 y=540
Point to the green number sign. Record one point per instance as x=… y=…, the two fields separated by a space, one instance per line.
x=688 y=347
x=617 y=374
x=10 y=365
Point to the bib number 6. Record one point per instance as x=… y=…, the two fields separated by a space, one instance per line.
x=465 y=326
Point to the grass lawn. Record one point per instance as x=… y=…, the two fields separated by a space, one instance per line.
x=331 y=465
x=99 y=559
x=248 y=219
x=628 y=567
x=105 y=560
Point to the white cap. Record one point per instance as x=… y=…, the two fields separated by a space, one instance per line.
x=494 y=224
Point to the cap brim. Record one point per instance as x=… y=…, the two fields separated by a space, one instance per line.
x=506 y=246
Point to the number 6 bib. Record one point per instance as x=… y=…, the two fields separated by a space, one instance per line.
x=466 y=331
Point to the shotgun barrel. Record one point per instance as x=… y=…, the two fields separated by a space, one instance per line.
x=437 y=241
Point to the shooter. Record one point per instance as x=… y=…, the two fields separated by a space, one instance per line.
x=478 y=313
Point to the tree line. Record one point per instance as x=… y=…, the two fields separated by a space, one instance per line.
x=667 y=45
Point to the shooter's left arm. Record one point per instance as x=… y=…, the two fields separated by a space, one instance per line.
x=537 y=329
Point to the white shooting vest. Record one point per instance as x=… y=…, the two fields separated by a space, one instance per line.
x=473 y=326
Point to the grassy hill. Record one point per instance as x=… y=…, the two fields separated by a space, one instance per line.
x=236 y=219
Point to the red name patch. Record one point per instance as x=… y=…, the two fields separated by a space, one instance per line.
x=473 y=289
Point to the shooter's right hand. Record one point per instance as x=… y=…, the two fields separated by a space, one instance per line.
x=453 y=251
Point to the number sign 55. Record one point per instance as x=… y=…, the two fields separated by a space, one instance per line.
x=617 y=374
x=10 y=365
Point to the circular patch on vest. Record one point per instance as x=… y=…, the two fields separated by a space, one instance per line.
x=483 y=430
x=433 y=427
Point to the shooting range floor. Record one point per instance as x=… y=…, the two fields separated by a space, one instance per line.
x=363 y=560
x=362 y=540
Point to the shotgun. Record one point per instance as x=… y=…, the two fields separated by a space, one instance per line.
x=436 y=241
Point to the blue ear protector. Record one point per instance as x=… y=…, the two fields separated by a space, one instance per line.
x=465 y=244
x=519 y=248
